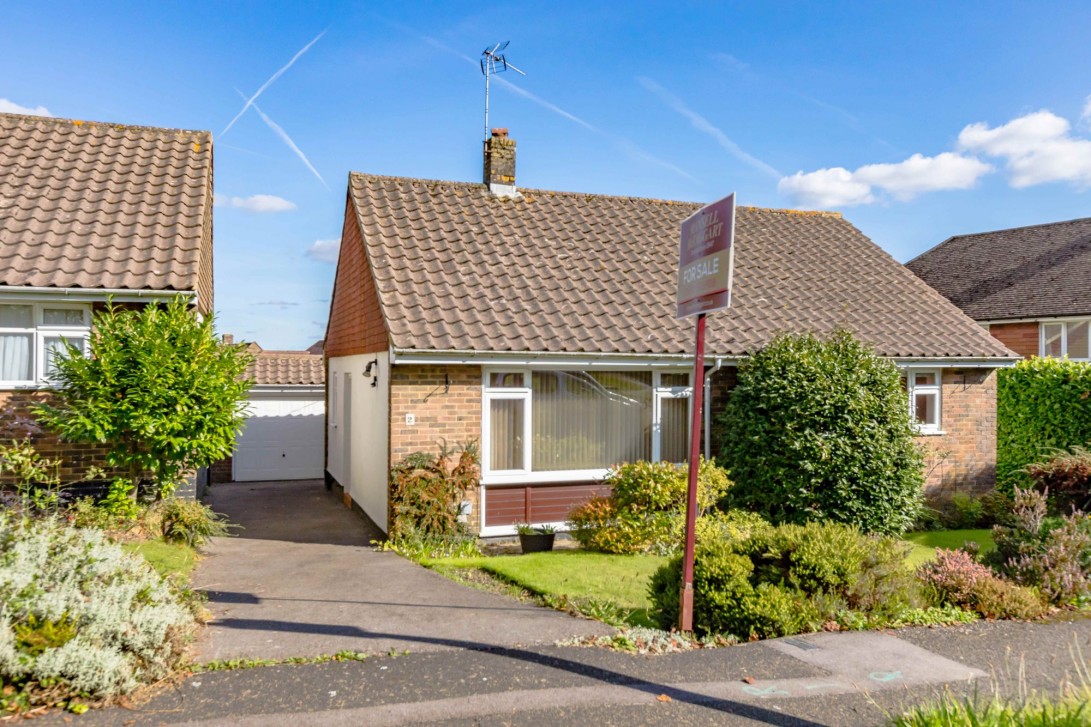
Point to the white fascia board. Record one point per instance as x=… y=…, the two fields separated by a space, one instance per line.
x=295 y=389
x=1038 y=319
x=524 y=359
x=941 y=362
x=91 y=295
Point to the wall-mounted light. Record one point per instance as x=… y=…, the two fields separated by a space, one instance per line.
x=374 y=363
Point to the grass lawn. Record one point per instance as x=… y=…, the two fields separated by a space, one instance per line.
x=586 y=579
x=925 y=543
x=576 y=575
x=165 y=557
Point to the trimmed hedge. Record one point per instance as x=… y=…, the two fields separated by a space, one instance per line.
x=820 y=430
x=1042 y=405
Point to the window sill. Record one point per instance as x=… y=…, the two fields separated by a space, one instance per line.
x=929 y=433
x=542 y=478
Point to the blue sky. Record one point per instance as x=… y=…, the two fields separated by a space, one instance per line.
x=916 y=120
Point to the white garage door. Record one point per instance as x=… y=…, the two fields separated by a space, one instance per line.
x=283 y=439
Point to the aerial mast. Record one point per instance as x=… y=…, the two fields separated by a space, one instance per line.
x=492 y=62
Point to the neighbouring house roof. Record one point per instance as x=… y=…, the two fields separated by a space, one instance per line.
x=459 y=269
x=1025 y=272
x=97 y=205
x=286 y=368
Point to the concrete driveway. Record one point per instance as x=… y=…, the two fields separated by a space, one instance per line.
x=301 y=579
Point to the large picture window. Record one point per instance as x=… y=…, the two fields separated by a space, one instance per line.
x=33 y=334
x=554 y=421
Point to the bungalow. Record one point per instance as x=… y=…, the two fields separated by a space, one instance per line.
x=1027 y=286
x=91 y=211
x=542 y=325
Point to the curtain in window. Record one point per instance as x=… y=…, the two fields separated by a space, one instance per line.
x=15 y=359
x=674 y=429
x=506 y=434
x=590 y=419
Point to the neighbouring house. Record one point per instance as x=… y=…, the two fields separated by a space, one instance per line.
x=92 y=211
x=1027 y=286
x=542 y=325
x=285 y=428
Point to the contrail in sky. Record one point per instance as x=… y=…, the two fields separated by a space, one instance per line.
x=287 y=140
x=629 y=147
x=250 y=101
x=704 y=125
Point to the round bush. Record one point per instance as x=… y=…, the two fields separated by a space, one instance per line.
x=820 y=430
x=79 y=616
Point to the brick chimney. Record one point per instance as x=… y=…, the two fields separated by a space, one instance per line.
x=228 y=339
x=500 y=164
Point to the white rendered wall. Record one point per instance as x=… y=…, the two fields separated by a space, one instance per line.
x=363 y=470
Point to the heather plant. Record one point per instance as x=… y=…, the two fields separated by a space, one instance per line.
x=81 y=618
x=427 y=491
x=646 y=509
x=955 y=578
x=1048 y=553
x=819 y=429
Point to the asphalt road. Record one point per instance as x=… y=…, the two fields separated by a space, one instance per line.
x=750 y=684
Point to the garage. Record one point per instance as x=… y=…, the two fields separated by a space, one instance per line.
x=285 y=427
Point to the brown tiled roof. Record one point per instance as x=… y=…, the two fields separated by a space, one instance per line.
x=1026 y=272
x=457 y=268
x=96 y=205
x=287 y=368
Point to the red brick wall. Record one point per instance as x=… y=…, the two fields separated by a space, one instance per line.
x=76 y=459
x=356 y=321
x=454 y=416
x=964 y=458
x=220 y=472
x=1019 y=337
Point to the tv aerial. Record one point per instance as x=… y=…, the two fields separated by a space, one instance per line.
x=493 y=61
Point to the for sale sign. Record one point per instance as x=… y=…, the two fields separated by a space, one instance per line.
x=706 y=259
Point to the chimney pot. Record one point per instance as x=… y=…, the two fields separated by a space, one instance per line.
x=228 y=339
x=502 y=133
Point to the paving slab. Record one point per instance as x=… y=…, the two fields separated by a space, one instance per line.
x=300 y=578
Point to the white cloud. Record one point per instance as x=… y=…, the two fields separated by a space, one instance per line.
x=838 y=187
x=255 y=203
x=919 y=174
x=834 y=187
x=324 y=251
x=1085 y=115
x=1038 y=148
x=10 y=107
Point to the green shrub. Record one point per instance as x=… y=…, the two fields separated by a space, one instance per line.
x=1047 y=553
x=646 y=508
x=786 y=579
x=81 y=618
x=190 y=522
x=964 y=511
x=820 y=430
x=954 y=578
x=427 y=490
x=1042 y=405
x=1066 y=476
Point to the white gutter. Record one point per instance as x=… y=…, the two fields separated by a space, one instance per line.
x=600 y=360
x=93 y=294
x=708 y=404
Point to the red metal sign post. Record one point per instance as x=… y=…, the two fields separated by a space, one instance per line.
x=705 y=266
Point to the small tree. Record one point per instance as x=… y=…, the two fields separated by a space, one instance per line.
x=820 y=430
x=158 y=388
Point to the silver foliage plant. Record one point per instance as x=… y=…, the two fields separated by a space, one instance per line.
x=128 y=625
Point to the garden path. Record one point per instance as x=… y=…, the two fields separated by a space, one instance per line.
x=301 y=579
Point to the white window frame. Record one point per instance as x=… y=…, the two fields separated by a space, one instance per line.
x=526 y=475
x=1063 y=323
x=913 y=388
x=40 y=331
